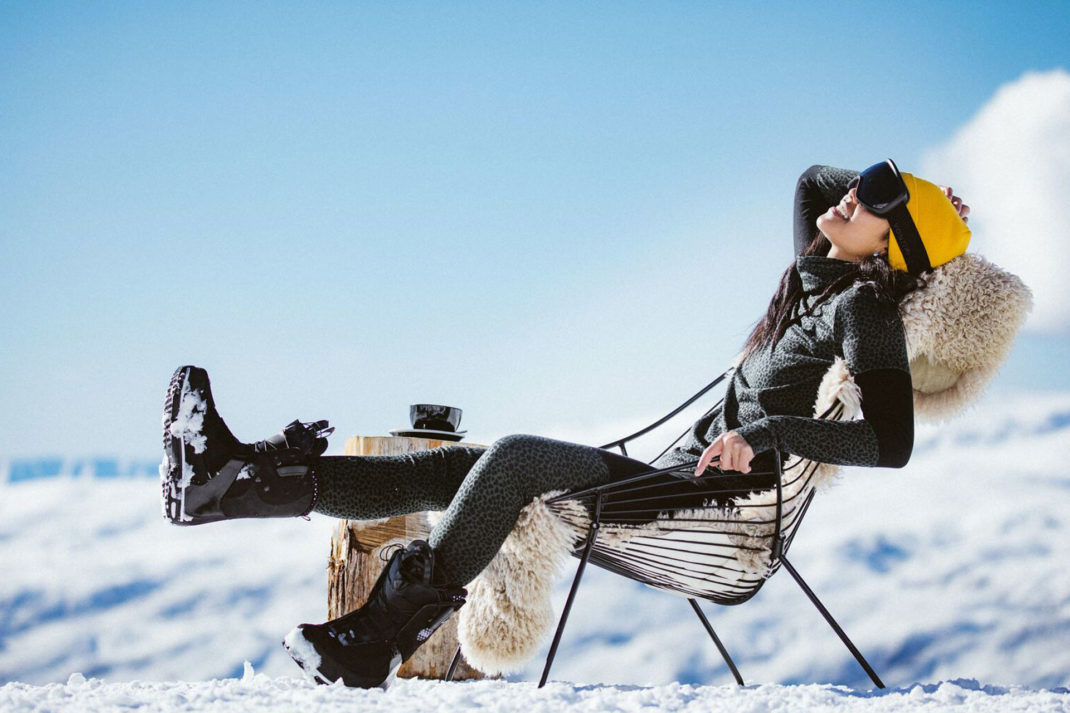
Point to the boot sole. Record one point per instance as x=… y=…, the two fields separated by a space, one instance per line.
x=184 y=503
x=324 y=670
x=174 y=448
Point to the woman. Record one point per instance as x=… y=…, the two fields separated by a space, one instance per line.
x=865 y=238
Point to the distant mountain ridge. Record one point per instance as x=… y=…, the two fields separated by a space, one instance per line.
x=15 y=470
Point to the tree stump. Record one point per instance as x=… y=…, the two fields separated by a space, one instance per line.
x=355 y=564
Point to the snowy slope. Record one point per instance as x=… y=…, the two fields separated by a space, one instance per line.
x=953 y=568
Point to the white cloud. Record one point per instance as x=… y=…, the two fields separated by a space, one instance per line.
x=1011 y=164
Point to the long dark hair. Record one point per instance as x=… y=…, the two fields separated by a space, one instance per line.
x=874 y=273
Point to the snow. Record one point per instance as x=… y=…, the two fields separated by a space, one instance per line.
x=264 y=694
x=302 y=651
x=951 y=570
x=189 y=421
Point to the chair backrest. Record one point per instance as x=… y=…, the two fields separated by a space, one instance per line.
x=717 y=537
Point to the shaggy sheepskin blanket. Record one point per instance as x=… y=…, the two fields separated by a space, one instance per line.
x=959 y=326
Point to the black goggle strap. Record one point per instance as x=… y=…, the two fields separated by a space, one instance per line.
x=909 y=241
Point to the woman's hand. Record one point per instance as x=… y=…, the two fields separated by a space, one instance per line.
x=962 y=208
x=735 y=452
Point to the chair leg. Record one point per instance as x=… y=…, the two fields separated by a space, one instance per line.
x=717 y=641
x=591 y=535
x=832 y=622
x=453 y=664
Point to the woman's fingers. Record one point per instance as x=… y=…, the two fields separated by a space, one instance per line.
x=737 y=453
x=962 y=208
x=734 y=451
x=731 y=447
x=712 y=451
x=726 y=456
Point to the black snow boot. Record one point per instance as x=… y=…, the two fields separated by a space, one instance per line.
x=366 y=647
x=207 y=474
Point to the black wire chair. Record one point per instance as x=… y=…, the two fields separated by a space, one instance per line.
x=717 y=537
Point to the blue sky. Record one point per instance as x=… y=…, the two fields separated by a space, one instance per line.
x=549 y=214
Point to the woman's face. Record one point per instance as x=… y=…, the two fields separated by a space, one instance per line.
x=854 y=232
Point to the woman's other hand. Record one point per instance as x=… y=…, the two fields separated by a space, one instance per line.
x=962 y=208
x=736 y=454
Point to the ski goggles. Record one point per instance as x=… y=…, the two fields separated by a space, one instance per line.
x=882 y=190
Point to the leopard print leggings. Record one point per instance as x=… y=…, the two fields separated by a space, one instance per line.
x=482 y=491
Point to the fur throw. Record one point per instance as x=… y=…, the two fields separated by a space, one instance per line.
x=959 y=328
x=509 y=610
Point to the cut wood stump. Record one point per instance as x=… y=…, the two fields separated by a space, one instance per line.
x=355 y=562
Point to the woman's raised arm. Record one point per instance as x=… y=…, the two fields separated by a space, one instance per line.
x=818 y=189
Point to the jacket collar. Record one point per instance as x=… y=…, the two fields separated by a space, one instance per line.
x=817 y=271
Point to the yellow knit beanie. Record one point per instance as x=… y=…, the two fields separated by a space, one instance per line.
x=942 y=231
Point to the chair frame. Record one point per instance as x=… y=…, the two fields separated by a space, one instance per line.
x=778 y=554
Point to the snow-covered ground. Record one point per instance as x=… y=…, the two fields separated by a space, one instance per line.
x=952 y=569
x=263 y=694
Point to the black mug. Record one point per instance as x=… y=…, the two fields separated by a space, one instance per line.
x=432 y=417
